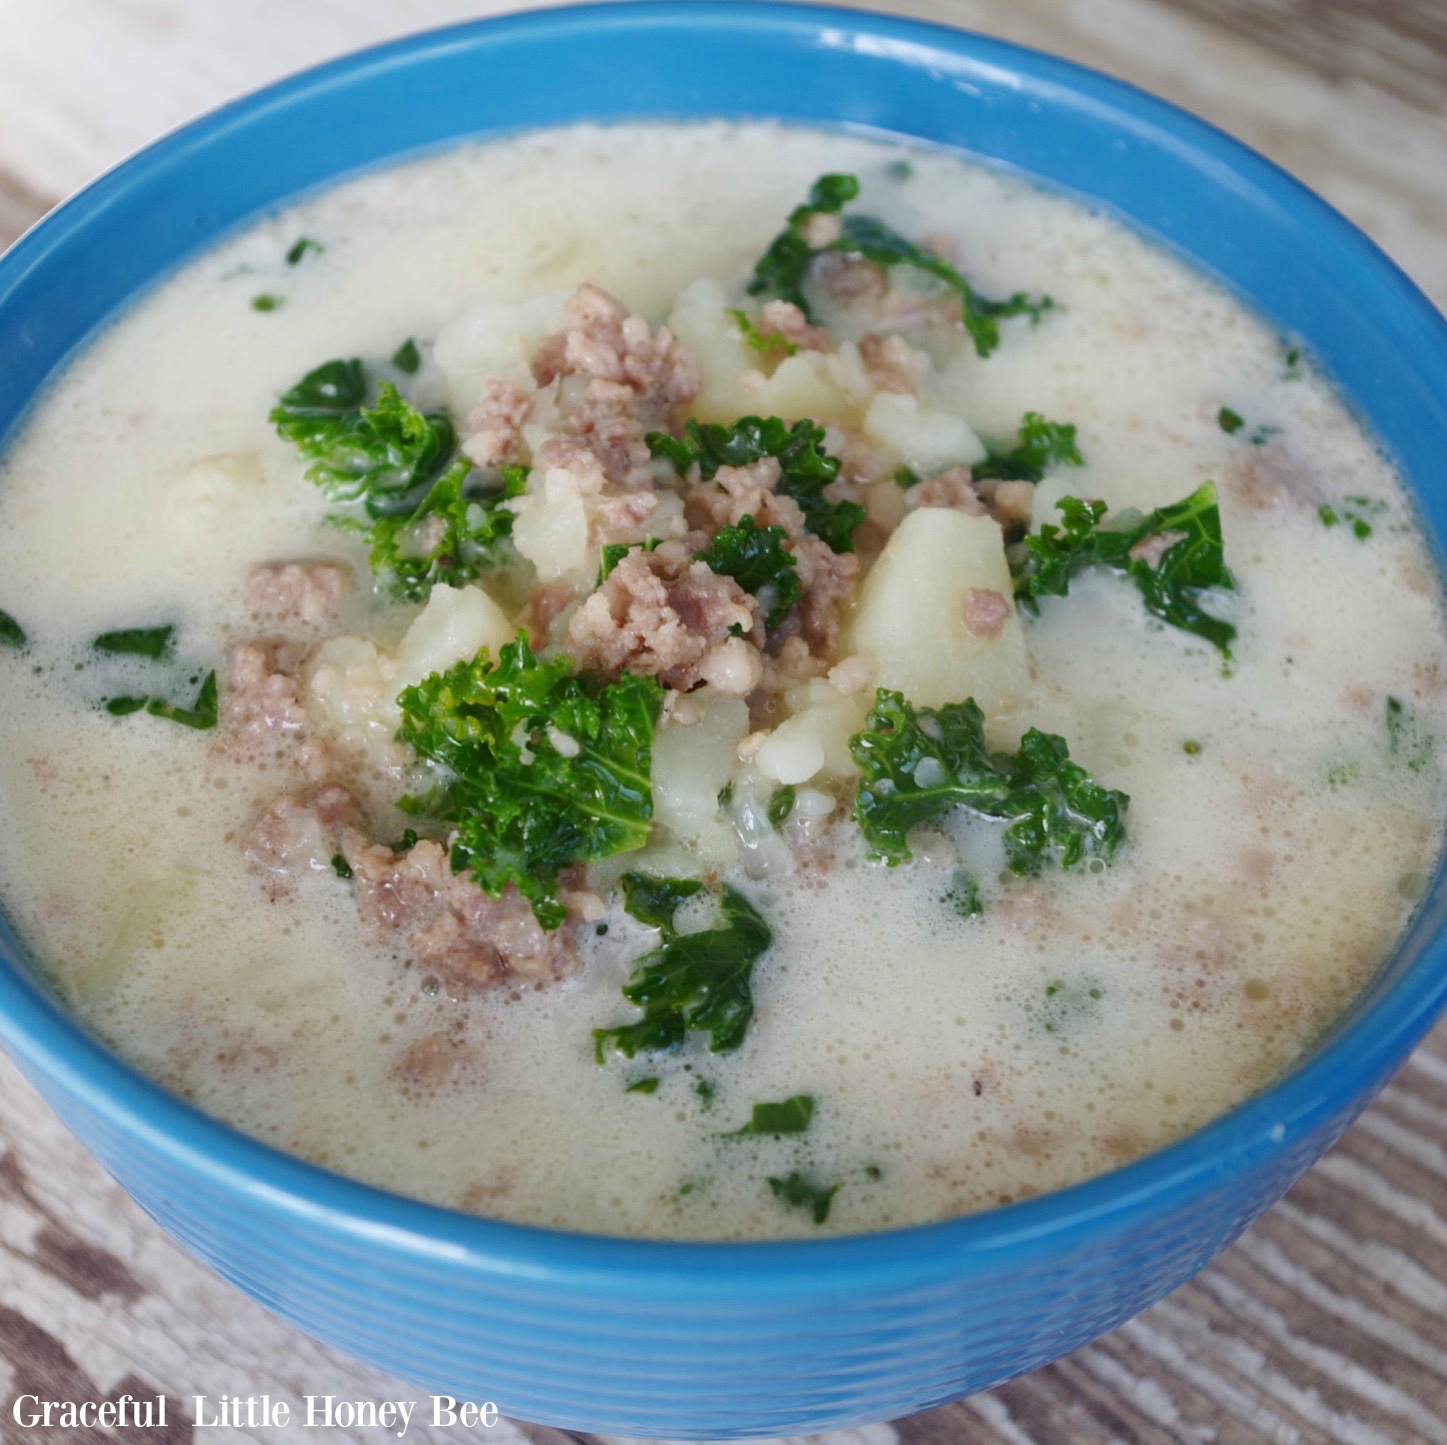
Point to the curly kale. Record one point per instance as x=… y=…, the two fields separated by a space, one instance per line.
x=694 y=982
x=544 y=768
x=429 y=517
x=783 y=267
x=1041 y=445
x=918 y=763
x=799 y=1191
x=756 y=558
x=1187 y=558
x=654 y=901
x=805 y=467
x=453 y=536
x=789 y=1116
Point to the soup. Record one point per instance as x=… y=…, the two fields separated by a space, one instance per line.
x=709 y=682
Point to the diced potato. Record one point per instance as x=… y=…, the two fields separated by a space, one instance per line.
x=494 y=339
x=212 y=490
x=734 y=377
x=153 y=904
x=691 y=766
x=911 y=616
x=354 y=684
x=922 y=438
x=814 y=740
x=553 y=535
x=456 y=623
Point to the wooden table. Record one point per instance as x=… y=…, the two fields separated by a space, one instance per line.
x=1326 y=1322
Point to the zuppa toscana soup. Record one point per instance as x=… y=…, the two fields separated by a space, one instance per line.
x=709 y=682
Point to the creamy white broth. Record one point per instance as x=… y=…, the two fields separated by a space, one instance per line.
x=955 y=1063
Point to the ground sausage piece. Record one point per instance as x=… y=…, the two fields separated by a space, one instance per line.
x=601 y=339
x=1013 y=503
x=661 y=614
x=745 y=492
x=851 y=277
x=264 y=720
x=262 y=695
x=306 y=592
x=300 y=833
x=986 y=612
x=827 y=581
x=448 y=923
x=495 y=423
x=892 y=363
x=604 y=419
x=787 y=321
x=434 y=1061
x=953 y=488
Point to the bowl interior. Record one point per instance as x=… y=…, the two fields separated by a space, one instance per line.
x=1225 y=209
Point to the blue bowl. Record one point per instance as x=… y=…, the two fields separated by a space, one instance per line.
x=644 y=1338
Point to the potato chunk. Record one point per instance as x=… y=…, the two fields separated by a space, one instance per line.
x=936 y=615
x=734 y=384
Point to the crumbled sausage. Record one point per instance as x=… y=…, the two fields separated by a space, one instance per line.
x=301 y=833
x=985 y=612
x=602 y=340
x=953 y=488
x=496 y=422
x=446 y=921
x=851 y=278
x=892 y=363
x=261 y=689
x=433 y=1061
x=740 y=492
x=263 y=718
x=827 y=582
x=787 y=321
x=303 y=592
x=659 y=614
x=1012 y=503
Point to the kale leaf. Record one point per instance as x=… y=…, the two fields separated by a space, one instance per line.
x=202 y=714
x=1409 y=741
x=152 y=642
x=654 y=900
x=790 y=1116
x=451 y=537
x=547 y=767
x=783 y=267
x=1041 y=445
x=694 y=982
x=781 y=805
x=761 y=341
x=1191 y=559
x=407 y=358
x=799 y=1191
x=756 y=558
x=805 y=467
x=430 y=517
x=917 y=764
x=1355 y=510
x=12 y=634
x=383 y=455
x=299 y=249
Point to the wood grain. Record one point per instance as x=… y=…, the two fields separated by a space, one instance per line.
x=1326 y=1322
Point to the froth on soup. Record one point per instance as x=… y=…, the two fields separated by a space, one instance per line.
x=710 y=681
